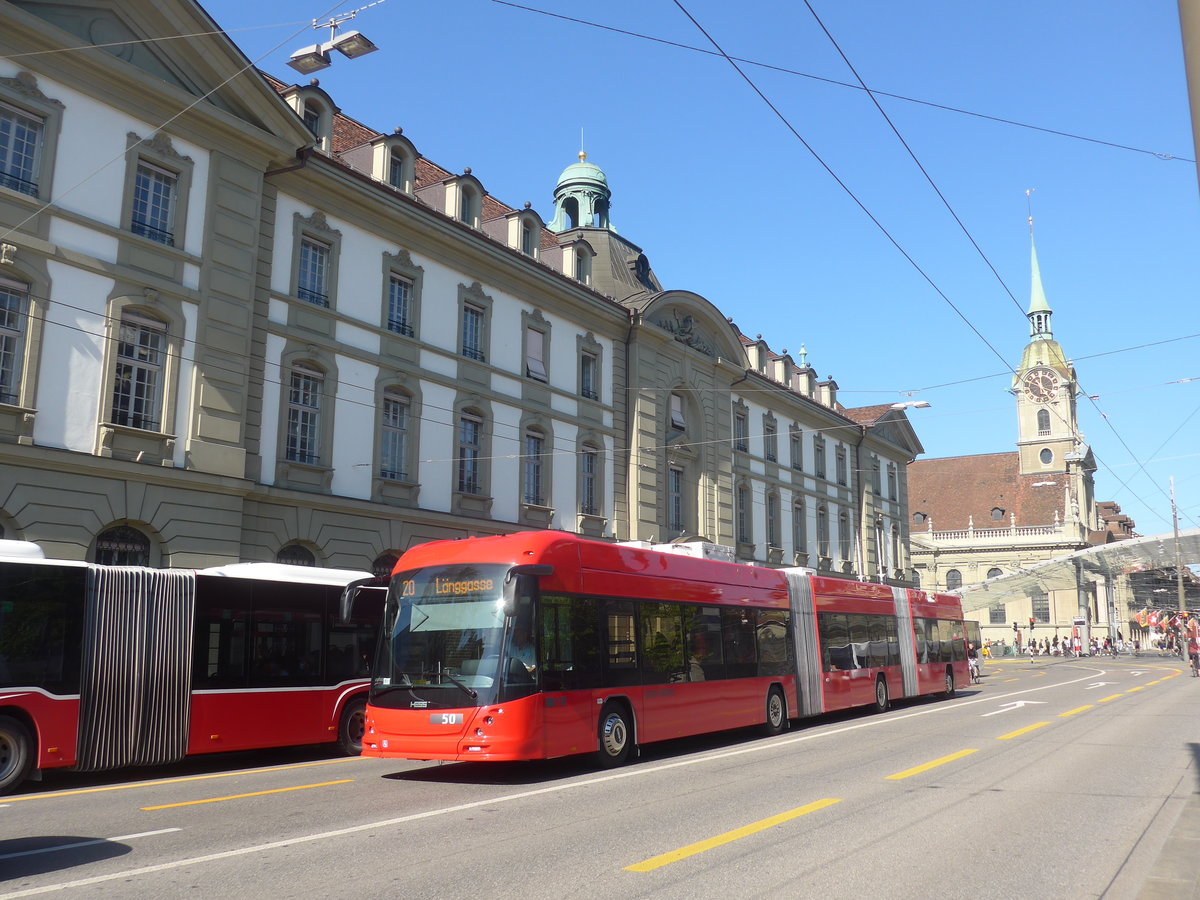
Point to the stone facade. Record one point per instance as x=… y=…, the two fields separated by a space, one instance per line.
x=260 y=329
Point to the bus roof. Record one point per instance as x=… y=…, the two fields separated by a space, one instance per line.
x=281 y=572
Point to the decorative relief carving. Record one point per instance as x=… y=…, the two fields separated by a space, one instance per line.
x=683 y=326
x=26 y=85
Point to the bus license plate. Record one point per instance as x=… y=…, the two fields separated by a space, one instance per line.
x=445 y=718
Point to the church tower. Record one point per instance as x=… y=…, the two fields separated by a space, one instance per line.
x=1045 y=386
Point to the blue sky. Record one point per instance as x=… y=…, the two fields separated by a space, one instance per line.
x=728 y=202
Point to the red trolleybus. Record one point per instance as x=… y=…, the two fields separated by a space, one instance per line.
x=543 y=644
x=103 y=667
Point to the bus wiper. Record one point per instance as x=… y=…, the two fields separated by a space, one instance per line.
x=458 y=684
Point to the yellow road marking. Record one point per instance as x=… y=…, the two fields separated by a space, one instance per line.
x=1010 y=680
x=1078 y=709
x=1109 y=697
x=139 y=784
x=917 y=770
x=664 y=859
x=1021 y=731
x=1140 y=687
x=300 y=787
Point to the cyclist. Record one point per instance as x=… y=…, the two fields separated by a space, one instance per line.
x=973 y=661
x=1193 y=647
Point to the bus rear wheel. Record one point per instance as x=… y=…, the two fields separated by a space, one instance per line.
x=881 y=694
x=16 y=753
x=949 y=682
x=776 y=711
x=615 y=739
x=352 y=726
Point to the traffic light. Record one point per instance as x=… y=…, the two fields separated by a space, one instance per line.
x=1031 y=623
x=1014 y=626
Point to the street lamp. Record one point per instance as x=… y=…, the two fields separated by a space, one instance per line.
x=352 y=44
x=911 y=404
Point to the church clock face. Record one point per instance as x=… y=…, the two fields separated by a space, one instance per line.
x=1040 y=385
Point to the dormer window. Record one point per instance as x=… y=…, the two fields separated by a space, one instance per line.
x=469 y=204
x=528 y=246
x=397 y=169
x=312 y=118
x=583 y=267
x=997 y=514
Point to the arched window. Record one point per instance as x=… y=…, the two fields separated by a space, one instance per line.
x=295 y=555
x=123 y=545
x=997 y=514
x=994 y=573
x=953 y=580
x=384 y=564
x=1043 y=421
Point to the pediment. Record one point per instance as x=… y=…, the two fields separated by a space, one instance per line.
x=140 y=32
x=696 y=323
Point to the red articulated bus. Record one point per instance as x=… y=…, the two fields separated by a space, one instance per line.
x=544 y=644
x=103 y=666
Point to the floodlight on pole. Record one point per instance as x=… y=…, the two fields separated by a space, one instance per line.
x=352 y=44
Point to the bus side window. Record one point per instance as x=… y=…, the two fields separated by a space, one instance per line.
x=774 y=648
x=741 y=650
x=621 y=663
x=662 y=643
x=222 y=626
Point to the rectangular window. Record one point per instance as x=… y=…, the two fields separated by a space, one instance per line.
x=740 y=435
x=799 y=529
x=772 y=521
x=312 y=278
x=532 y=465
x=845 y=545
x=876 y=483
x=589 y=384
x=393 y=438
x=1041 y=607
x=841 y=465
x=13 y=297
x=527 y=245
x=399 y=319
x=137 y=388
x=797 y=447
x=472 y=332
x=770 y=442
x=396 y=170
x=20 y=144
x=819 y=455
x=154 y=204
x=535 y=363
x=996 y=614
x=470 y=431
x=677 y=420
x=675 y=500
x=588 y=460
x=891 y=476
x=743 y=515
x=304 y=416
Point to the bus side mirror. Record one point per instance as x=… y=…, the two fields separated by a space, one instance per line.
x=361 y=601
x=535 y=570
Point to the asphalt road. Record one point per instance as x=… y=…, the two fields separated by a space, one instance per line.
x=1065 y=778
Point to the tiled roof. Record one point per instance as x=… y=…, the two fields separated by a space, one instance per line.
x=866 y=415
x=956 y=490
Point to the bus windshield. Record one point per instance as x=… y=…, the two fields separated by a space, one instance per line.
x=444 y=636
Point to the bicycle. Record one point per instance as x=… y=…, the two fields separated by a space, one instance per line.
x=973 y=665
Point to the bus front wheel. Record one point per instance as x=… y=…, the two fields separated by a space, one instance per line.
x=352 y=726
x=16 y=753
x=776 y=711
x=615 y=739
